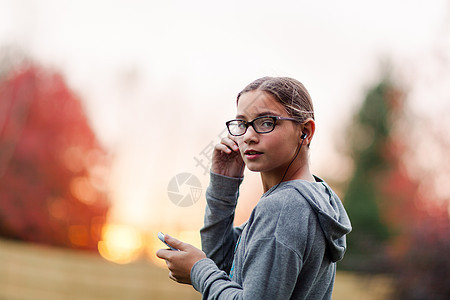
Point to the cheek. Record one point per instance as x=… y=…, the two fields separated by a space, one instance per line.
x=283 y=145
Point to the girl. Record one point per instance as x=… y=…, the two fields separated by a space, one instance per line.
x=289 y=247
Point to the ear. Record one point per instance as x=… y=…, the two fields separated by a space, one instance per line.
x=308 y=129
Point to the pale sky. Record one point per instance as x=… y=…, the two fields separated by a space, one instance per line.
x=159 y=78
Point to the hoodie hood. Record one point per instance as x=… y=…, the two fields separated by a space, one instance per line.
x=331 y=214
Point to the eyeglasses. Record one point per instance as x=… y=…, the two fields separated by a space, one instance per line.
x=264 y=124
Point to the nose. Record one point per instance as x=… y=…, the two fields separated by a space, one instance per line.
x=250 y=136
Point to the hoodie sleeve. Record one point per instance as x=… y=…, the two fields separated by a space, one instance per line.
x=270 y=268
x=218 y=234
x=282 y=253
x=269 y=273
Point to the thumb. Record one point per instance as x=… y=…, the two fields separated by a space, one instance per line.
x=175 y=243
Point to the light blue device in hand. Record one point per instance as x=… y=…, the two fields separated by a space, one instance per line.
x=161 y=237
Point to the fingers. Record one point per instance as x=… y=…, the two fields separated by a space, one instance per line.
x=227 y=145
x=227 y=159
x=180 y=263
x=172 y=277
x=223 y=148
x=164 y=254
x=175 y=243
x=179 y=278
x=168 y=254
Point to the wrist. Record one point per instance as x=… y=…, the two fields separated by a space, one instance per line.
x=223 y=187
x=232 y=172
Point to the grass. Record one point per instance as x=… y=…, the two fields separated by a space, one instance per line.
x=29 y=271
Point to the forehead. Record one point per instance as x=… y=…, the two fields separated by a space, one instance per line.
x=258 y=103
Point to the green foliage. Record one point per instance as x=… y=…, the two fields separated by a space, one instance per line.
x=399 y=225
x=367 y=138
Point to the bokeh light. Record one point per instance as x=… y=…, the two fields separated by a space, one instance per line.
x=120 y=243
x=103 y=103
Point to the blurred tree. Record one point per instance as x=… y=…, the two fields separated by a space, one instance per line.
x=51 y=165
x=368 y=140
x=421 y=263
x=400 y=224
x=418 y=216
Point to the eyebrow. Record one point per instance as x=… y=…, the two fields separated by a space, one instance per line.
x=265 y=113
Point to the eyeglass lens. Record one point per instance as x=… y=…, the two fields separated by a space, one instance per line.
x=261 y=125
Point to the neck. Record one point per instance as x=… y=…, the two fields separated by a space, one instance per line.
x=298 y=170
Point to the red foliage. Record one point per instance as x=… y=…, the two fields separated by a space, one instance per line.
x=421 y=224
x=48 y=156
x=400 y=208
x=408 y=203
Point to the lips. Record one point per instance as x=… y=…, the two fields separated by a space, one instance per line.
x=252 y=154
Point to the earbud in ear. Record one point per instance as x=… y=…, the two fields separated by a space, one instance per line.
x=303 y=136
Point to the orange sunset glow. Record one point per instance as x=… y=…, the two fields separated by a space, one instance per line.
x=110 y=111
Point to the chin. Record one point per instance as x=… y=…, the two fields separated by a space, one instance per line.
x=255 y=167
x=251 y=167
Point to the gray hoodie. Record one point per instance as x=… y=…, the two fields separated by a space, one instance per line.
x=286 y=250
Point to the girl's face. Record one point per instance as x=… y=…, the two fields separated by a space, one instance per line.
x=266 y=152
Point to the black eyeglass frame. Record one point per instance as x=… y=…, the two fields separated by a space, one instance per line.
x=252 y=122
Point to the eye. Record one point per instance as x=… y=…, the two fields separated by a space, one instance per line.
x=266 y=123
x=240 y=124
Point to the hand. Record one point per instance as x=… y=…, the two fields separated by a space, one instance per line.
x=180 y=262
x=227 y=159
